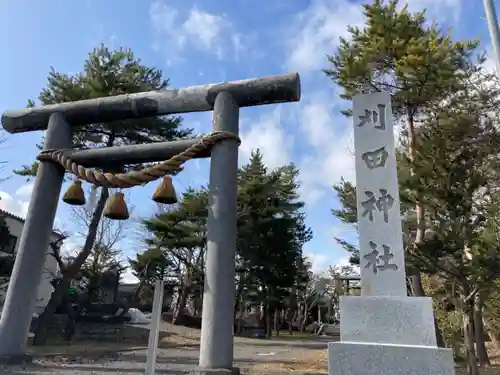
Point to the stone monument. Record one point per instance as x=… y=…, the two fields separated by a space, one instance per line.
x=384 y=331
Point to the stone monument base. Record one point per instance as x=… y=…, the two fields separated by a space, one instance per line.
x=387 y=320
x=356 y=358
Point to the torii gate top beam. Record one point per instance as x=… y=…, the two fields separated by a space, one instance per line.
x=246 y=93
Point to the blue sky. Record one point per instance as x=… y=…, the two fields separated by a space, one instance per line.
x=197 y=42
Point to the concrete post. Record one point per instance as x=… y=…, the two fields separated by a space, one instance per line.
x=216 y=350
x=154 y=327
x=30 y=260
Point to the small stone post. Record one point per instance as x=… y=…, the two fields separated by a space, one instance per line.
x=154 y=327
x=216 y=350
x=30 y=260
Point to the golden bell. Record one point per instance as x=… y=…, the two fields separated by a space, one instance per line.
x=165 y=193
x=116 y=208
x=74 y=195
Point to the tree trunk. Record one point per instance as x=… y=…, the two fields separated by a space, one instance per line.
x=57 y=295
x=439 y=335
x=482 y=354
x=238 y=301
x=182 y=303
x=416 y=279
x=267 y=317
x=277 y=322
x=303 y=322
x=137 y=294
x=416 y=284
x=295 y=317
x=417 y=287
x=290 y=319
x=468 y=322
x=329 y=313
x=242 y=314
x=116 y=287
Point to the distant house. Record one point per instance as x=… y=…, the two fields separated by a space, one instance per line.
x=127 y=291
x=16 y=224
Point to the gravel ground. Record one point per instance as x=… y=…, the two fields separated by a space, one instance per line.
x=177 y=360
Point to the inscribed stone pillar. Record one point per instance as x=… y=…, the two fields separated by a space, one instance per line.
x=383 y=331
x=379 y=219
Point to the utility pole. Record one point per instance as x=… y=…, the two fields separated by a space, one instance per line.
x=491 y=18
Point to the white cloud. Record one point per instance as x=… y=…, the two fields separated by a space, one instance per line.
x=342 y=230
x=330 y=136
x=128 y=277
x=18 y=203
x=324 y=22
x=331 y=140
x=70 y=247
x=203 y=30
x=321 y=261
x=25 y=191
x=268 y=135
x=444 y=10
x=344 y=261
x=321 y=25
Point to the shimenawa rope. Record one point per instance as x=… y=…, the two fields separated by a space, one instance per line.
x=135 y=178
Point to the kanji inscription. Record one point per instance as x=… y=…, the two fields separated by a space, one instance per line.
x=380 y=262
x=377 y=118
x=381 y=204
x=376 y=158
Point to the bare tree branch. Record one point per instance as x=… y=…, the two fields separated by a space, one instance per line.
x=56 y=250
x=109 y=232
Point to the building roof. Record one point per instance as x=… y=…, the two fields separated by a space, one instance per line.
x=352 y=277
x=21 y=220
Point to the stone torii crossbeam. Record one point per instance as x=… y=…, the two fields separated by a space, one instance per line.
x=224 y=99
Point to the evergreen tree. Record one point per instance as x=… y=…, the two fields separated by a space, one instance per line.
x=180 y=234
x=109 y=73
x=418 y=64
x=271 y=237
x=456 y=160
x=271 y=233
x=105 y=73
x=149 y=266
x=347 y=214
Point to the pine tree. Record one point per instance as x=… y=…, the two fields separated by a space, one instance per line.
x=149 y=266
x=418 y=64
x=180 y=234
x=105 y=73
x=271 y=237
x=455 y=178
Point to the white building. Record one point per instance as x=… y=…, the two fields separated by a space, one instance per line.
x=16 y=224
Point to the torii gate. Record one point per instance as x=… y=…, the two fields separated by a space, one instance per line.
x=224 y=99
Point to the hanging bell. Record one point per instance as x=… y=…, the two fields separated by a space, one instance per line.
x=116 y=208
x=75 y=195
x=165 y=193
